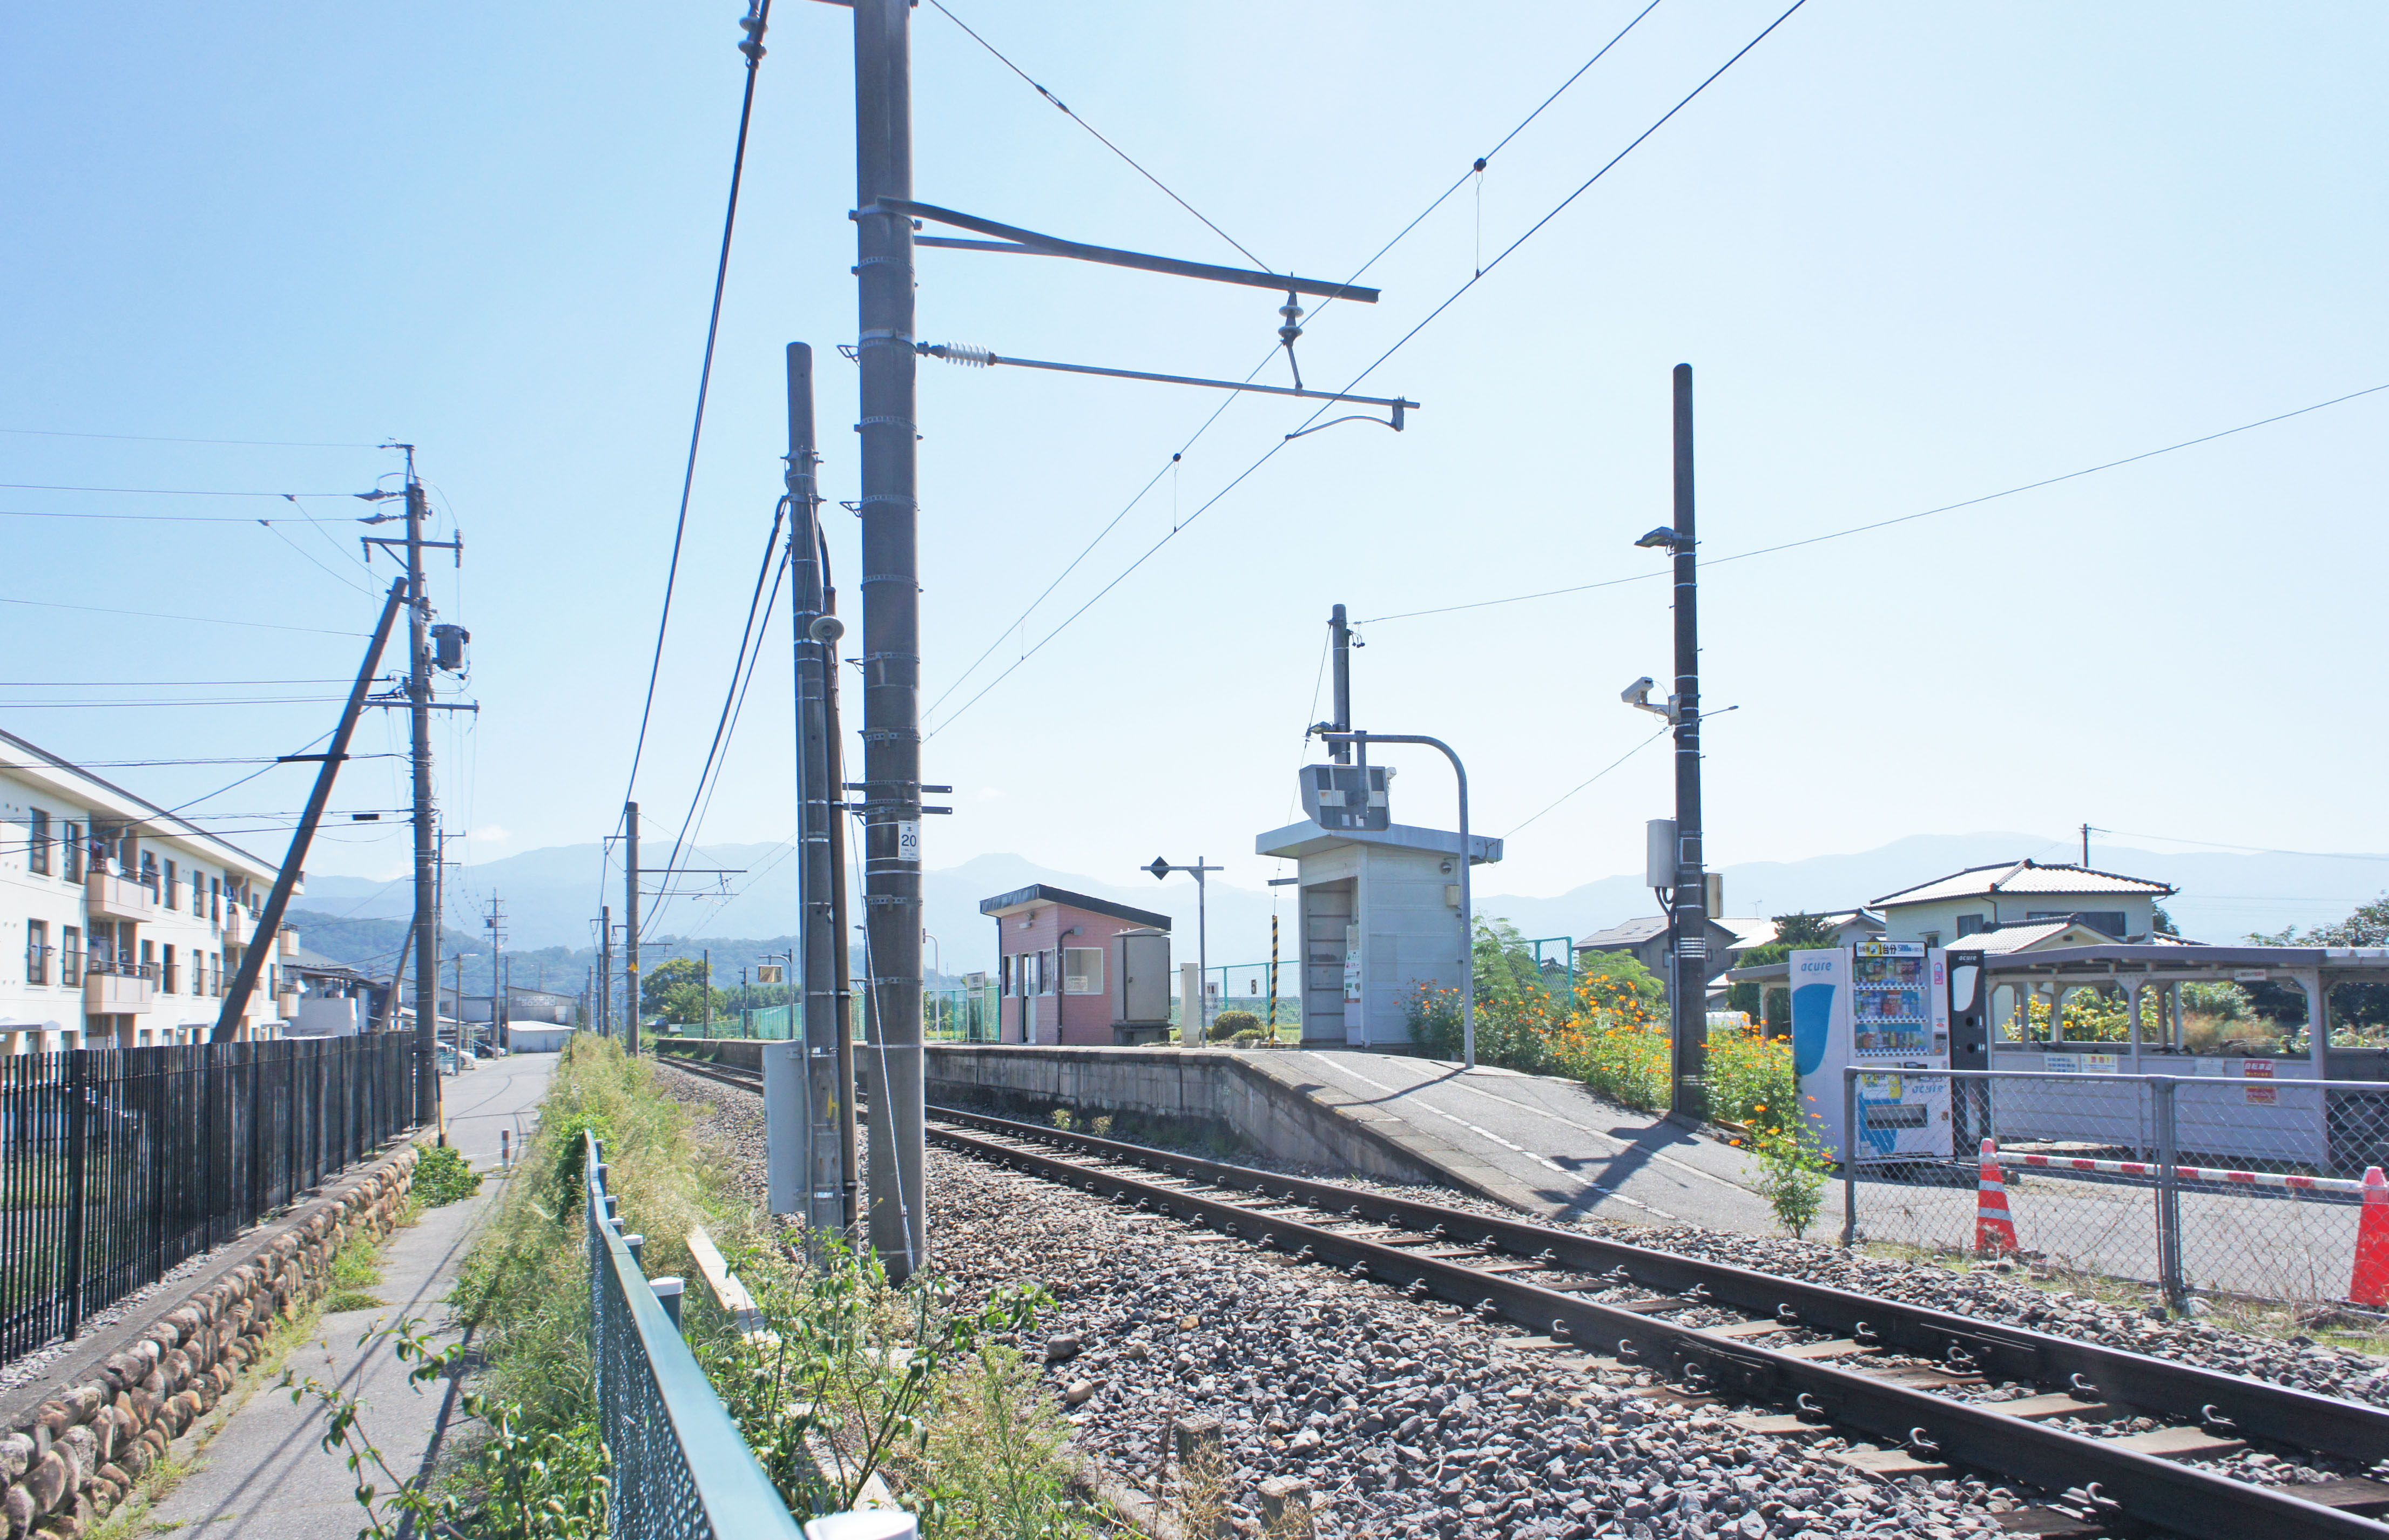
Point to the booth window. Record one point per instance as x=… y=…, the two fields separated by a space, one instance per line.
x=1082 y=970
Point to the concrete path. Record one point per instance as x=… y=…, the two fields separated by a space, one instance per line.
x=265 y=1475
x=1571 y=1153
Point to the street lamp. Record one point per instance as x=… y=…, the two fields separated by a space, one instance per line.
x=1467 y=859
x=1161 y=868
x=1688 y=914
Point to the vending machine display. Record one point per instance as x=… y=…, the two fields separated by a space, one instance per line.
x=1882 y=1007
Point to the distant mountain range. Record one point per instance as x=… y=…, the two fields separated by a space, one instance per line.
x=551 y=897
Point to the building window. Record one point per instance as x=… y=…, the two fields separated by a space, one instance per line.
x=198 y=894
x=71 y=955
x=37 y=842
x=215 y=897
x=150 y=872
x=1082 y=970
x=148 y=960
x=37 y=951
x=2110 y=921
x=166 y=979
x=166 y=895
x=73 y=843
x=1971 y=924
x=1004 y=975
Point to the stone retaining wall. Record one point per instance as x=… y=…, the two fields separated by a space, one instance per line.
x=71 y=1460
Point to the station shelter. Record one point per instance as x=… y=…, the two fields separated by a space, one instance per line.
x=1077 y=970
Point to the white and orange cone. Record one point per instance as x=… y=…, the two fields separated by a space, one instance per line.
x=1995 y=1233
x=2369 y=1283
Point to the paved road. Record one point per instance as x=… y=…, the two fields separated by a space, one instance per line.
x=266 y=1476
x=1576 y=1153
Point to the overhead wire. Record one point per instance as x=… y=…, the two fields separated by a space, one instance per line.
x=750 y=639
x=1477 y=169
x=1595 y=776
x=156 y=439
x=1171 y=193
x=1707 y=562
x=1399 y=344
x=156 y=492
x=197 y=620
x=759 y=15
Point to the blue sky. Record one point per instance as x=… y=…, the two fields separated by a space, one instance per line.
x=1916 y=254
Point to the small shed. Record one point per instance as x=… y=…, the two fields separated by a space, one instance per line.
x=1380 y=918
x=1058 y=953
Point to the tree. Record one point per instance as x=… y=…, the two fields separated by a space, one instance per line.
x=675 y=990
x=1504 y=964
x=2351 y=1004
x=1802 y=932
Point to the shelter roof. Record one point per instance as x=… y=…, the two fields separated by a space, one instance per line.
x=1045 y=893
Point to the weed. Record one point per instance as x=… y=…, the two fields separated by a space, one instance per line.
x=1791 y=1178
x=341 y=1301
x=443 y=1177
x=993 y=1464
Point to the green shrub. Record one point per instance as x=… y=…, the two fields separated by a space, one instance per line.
x=443 y=1177
x=1250 y=1038
x=1791 y=1178
x=1227 y=1024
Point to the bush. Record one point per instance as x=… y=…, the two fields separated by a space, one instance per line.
x=1227 y=1024
x=443 y=1177
x=1751 y=1079
x=1250 y=1038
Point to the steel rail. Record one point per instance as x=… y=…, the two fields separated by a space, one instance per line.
x=2126 y=1482
x=2158 y=1385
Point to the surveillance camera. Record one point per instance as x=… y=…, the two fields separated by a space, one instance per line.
x=825 y=628
x=1638 y=692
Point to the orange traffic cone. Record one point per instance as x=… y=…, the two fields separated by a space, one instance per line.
x=1994 y=1232
x=2370 y=1283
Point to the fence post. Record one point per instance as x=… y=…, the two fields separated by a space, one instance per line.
x=78 y=1088
x=2169 y=1279
x=1849 y=1159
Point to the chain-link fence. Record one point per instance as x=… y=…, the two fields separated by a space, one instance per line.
x=2236 y=1185
x=680 y=1469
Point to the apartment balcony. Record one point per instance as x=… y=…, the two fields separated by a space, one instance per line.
x=286 y=1006
x=235 y=926
x=118 y=994
x=110 y=896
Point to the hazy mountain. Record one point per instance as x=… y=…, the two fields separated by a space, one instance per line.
x=551 y=895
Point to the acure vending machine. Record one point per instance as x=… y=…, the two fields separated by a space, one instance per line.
x=1883 y=1008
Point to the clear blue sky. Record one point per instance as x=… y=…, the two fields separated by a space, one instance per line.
x=1916 y=254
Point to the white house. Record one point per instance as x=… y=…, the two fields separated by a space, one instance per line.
x=2009 y=893
x=119 y=924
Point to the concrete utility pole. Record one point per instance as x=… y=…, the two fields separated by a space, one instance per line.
x=891 y=646
x=426 y=872
x=630 y=928
x=604 y=970
x=811 y=1145
x=1342 y=633
x=496 y=922
x=708 y=955
x=1689 y=988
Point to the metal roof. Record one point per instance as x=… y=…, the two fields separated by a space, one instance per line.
x=2021 y=879
x=2024 y=937
x=1633 y=933
x=1306 y=838
x=1041 y=893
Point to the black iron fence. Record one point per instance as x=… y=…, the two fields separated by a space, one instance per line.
x=118 y=1163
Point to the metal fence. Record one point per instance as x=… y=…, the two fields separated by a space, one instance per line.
x=2229 y=1185
x=118 y=1163
x=681 y=1467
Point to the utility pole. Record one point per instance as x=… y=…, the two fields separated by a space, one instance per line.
x=1690 y=914
x=1340 y=751
x=817 y=1148
x=496 y=922
x=708 y=955
x=426 y=920
x=891 y=630
x=604 y=970
x=630 y=928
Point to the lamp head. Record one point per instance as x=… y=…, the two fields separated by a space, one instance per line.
x=1662 y=538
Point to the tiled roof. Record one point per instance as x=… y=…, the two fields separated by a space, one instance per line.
x=2022 y=878
x=1633 y=933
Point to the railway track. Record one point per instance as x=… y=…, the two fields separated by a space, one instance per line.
x=1804 y=1360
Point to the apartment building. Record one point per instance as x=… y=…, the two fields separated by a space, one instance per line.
x=121 y=924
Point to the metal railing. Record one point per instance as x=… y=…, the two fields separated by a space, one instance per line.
x=682 y=1469
x=118 y=1163
x=2238 y=1183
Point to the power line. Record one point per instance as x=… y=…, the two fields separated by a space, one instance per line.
x=1399 y=343
x=158 y=492
x=226 y=700
x=1167 y=189
x=1595 y=776
x=153 y=684
x=1903 y=518
x=200 y=619
x=154 y=438
x=759 y=14
x=179 y=518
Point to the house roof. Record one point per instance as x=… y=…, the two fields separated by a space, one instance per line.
x=1633 y=933
x=1042 y=892
x=2025 y=878
x=107 y=798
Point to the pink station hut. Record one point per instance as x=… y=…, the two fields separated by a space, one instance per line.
x=1077 y=971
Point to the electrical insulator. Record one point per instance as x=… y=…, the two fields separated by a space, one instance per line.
x=969 y=355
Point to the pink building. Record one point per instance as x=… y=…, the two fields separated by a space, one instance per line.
x=1063 y=963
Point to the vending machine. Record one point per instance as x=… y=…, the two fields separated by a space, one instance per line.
x=1882 y=1007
